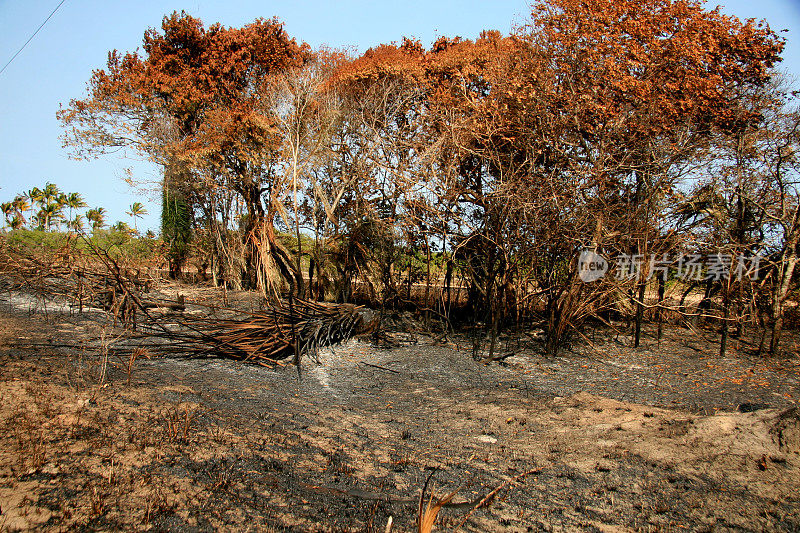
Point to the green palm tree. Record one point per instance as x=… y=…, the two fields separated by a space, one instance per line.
x=6 y=208
x=38 y=221
x=35 y=196
x=50 y=201
x=76 y=223
x=60 y=203
x=49 y=213
x=20 y=205
x=122 y=227
x=137 y=211
x=17 y=221
x=50 y=193
x=74 y=200
x=97 y=217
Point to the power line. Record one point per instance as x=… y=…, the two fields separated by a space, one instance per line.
x=32 y=36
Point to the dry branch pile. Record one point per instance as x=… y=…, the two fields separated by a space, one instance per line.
x=90 y=277
x=81 y=278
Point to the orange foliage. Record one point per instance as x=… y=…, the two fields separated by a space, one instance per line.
x=639 y=68
x=202 y=81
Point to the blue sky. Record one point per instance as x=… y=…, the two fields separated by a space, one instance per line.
x=57 y=63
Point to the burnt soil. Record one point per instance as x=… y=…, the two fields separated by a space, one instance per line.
x=602 y=438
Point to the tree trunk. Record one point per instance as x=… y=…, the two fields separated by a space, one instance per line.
x=723 y=337
x=283 y=260
x=659 y=311
x=553 y=335
x=552 y=340
x=427 y=281
x=781 y=291
x=639 y=314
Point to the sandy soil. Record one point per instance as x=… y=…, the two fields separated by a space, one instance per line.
x=611 y=439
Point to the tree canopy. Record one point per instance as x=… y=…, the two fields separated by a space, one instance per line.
x=505 y=155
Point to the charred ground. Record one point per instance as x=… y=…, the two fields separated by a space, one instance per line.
x=612 y=439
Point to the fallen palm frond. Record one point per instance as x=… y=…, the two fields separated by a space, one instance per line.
x=293 y=328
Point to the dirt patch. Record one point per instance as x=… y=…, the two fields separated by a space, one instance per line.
x=614 y=439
